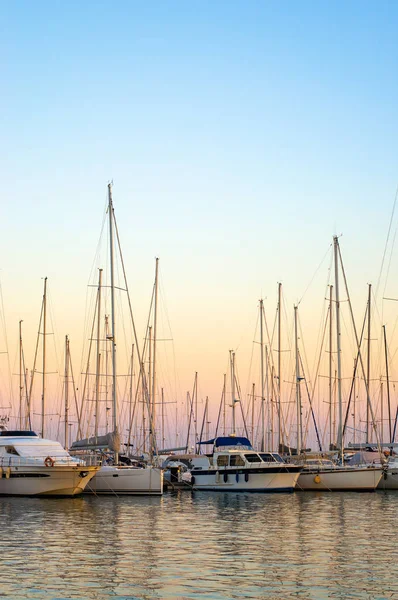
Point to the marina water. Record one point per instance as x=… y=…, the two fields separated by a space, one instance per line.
x=200 y=545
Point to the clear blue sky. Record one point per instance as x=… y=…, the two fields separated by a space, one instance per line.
x=240 y=137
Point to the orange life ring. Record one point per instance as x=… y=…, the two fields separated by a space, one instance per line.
x=49 y=462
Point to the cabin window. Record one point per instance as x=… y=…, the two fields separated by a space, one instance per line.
x=252 y=458
x=222 y=460
x=278 y=458
x=236 y=461
x=11 y=450
x=267 y=457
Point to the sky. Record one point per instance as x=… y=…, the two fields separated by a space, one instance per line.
x=240 y=137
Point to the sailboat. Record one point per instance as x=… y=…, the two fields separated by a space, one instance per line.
x=119 y=478
x=323 y=475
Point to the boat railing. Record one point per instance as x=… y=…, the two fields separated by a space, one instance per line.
x=58 y=461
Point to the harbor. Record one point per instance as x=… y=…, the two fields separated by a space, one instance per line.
x=199 y=300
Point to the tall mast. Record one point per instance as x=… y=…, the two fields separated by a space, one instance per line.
x=330 y=365
x=232 y=358
x=43 y=393
x=368 y=366
x=155 y=319
x=20 y=374
x=224 y=401
x=270 y=435
x=336 y=276
x=279 y=366
x=112 y=335
x=66 y=432
x=388 y=386
x=150 y=388
x=298 y=391
x=97 y=373
x=262 y=446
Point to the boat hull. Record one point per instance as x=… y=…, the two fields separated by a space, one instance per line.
x=389 y=481
x=257 y=480
x=328 y=480
x=45 y=481
x=127 y=480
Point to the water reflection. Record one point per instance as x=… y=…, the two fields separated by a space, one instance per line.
x=204 y=545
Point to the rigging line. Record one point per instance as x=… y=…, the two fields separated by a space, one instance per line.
x=315 y=274
x=389 y=262
x=325 y=309
x=387 y=240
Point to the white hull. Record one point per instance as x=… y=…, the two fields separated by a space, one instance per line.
x=120 y=480
x=45 y=481
x=277 y=481
x=340 y=479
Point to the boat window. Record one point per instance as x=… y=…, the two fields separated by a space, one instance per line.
x=252 y=458
x=222 y=460
x=236 y=461
x=277 y=457
x=11 y=450
x=267 y=457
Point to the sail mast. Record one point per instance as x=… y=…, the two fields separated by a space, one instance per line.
x=66 y=433
x=232 y=358
x=112 y=334
x=43 y=393
x=368 y=366
x=330 y=365
x=298 y=391
x=279 y=367
x=388 y=386
x=20 y=375
x=97 y=374
x=155 y=319
x=336 y=277
x=262 y=446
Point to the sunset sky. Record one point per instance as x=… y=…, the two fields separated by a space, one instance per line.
x=240 y=138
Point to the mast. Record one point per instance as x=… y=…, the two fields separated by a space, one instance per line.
x=163 y=440
x=279 y=366
x=232 y=359
x=253 y=396
x=368 y=365
x=112 y=335
x=298 y=391
x=43 y=393
x=150 y=388
x=262 y=446
x=20 y=374
x=224 y=401
x=269 y=407
x=66 y=432
x=155 y=318
x=97 y=374
x=338 y=333
x=330 y=365
x=388 y=387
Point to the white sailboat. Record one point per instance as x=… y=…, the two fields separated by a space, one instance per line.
x=33 y=466
x=327 y=476
x=117 y=478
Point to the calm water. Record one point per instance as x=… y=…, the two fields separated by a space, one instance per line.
x=205 y=545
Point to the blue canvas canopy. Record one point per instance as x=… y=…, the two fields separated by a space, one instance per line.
x=228 y=441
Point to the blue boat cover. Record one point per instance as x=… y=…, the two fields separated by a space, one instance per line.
x=228 y=441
